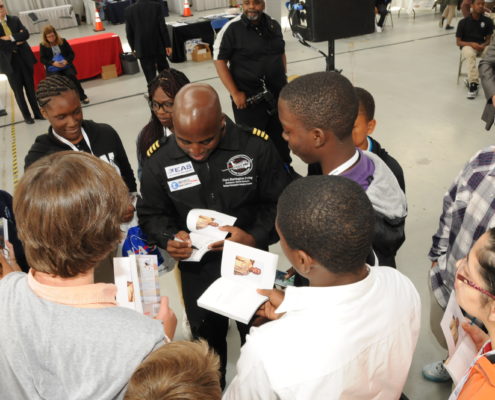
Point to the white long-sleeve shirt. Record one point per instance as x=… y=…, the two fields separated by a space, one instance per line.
x=344 y=342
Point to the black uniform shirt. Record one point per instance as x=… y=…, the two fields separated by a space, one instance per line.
x=254 y=51
x=474 y=30
x=242 y=177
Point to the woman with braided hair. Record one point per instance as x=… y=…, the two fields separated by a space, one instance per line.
x=161 y=94
x=59 y=101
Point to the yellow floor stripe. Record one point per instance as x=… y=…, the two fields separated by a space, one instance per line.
x=13 y=140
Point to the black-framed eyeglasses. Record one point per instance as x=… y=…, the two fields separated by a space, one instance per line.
x=465 y=280
x=166 y=107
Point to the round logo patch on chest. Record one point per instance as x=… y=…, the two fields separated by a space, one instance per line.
x=240 y=165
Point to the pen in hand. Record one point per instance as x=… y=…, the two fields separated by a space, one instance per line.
x=172 y=237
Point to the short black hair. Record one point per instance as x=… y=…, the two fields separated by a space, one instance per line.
x=486 y=258
x=51 y=86
x=366 y=102
x=324 y=100
x=330 y=218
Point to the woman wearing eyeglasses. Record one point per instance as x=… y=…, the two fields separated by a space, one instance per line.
x=161 y=93
x=475 y=294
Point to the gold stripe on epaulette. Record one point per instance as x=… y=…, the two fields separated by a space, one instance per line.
x=155 y=146
x=260 y=133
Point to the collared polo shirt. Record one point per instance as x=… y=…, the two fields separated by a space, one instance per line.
x=253 y=51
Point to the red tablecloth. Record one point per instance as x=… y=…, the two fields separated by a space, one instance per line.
x=92 y=52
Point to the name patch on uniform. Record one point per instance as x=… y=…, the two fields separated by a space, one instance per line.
x=179 y=169
x=239 y=165
x=184 y=183
x=238 y=181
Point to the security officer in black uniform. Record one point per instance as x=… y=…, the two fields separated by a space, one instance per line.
x=209 y=163
x=253 y=46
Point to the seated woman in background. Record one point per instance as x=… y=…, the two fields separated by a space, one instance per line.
x=61 y=335
x=475 y=293
x=161 y=94
x=57 y=56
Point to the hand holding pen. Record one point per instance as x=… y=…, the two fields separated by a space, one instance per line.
x=179 y=246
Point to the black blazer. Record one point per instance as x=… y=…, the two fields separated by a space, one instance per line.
x=46 y=54
x=145 y=28
x=20 y=34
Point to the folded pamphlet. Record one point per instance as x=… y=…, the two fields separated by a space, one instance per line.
x=138 y=287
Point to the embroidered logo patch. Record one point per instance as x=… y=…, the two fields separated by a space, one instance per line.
x=179 y=169
x=239 y=165
x=184 y=183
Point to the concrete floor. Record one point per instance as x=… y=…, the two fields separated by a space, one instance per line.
x=424 y=120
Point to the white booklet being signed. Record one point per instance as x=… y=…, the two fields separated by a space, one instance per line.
x=244 y=269
x=203 y=226
x=138 y=288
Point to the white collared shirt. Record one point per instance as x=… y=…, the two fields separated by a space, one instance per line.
x=342 y=342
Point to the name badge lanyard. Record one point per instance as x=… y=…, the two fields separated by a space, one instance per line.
x=342 y=167
x=72 y=145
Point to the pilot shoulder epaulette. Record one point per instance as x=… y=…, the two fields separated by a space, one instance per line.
x=258 y=132
x=155 y=146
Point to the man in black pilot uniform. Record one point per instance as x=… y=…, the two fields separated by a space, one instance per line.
x=16 y=61
x=248 y=51
x=209 y=163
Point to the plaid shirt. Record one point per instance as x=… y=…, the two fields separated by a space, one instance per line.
x=468 y=211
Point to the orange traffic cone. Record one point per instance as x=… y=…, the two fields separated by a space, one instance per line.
x=98 y=24
x=187 y=9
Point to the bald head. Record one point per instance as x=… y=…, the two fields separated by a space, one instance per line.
x=198 y=120
x=194 y=103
